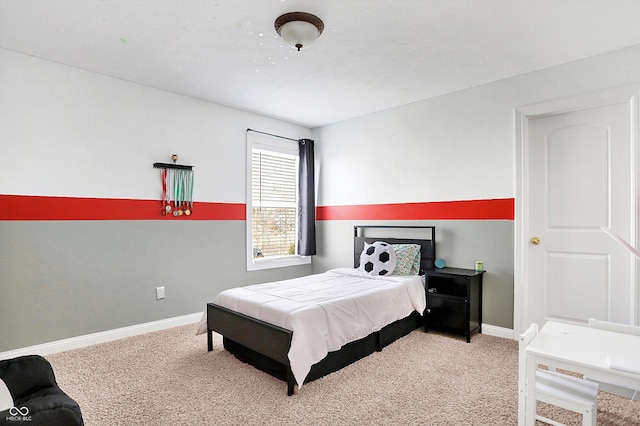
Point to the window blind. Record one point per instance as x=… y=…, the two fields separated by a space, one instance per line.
x=274 y=207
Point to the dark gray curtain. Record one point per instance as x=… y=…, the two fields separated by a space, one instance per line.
x=307 y=200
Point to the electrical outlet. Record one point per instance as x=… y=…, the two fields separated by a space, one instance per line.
x=159 y=293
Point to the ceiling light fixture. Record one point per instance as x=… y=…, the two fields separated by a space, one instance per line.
x=299 y=29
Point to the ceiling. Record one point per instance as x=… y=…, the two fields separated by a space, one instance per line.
x=373 y=54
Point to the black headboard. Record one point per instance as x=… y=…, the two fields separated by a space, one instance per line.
x=427 y=243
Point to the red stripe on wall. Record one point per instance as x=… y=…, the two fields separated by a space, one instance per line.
x=492 y=209
x=25 y=207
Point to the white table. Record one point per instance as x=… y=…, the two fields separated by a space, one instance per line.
x=582 y=350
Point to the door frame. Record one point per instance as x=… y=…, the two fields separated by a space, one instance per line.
x=522 y=116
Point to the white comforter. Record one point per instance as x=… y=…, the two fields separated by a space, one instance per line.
x=326 y=311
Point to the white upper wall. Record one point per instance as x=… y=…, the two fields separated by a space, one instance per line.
x=454 y=147
x=69 y=132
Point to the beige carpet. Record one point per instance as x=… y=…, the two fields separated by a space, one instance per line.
x=169 y=378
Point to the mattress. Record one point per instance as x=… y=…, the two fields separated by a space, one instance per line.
x=326 y=311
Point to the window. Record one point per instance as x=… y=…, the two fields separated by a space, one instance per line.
x=272 y=205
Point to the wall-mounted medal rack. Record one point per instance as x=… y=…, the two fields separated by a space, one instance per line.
x=177 y=188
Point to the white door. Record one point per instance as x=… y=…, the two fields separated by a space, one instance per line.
x=581 y=168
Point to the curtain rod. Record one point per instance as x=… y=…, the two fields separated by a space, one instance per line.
x=270 y=134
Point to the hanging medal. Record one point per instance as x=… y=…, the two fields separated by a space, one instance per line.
x=183 y=191
x=163 y=177
x=188 y=192
x=167 y=201
x=191 y=191
x=180 y=197
x=175 y=193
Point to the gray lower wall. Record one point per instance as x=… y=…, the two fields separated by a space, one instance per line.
x=459 y=242
x=61 y=279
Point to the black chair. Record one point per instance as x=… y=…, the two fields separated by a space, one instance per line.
x=37 y=398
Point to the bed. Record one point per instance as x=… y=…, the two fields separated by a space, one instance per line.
x=258 y=322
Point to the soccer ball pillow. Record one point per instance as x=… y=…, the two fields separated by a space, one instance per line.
x=378 y=258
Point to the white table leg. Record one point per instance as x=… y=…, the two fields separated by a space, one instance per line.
x=530 y=392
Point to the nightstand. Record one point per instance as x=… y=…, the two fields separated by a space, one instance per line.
x=454 y=301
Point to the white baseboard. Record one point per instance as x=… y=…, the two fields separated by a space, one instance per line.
x=134 y=330
x=101 y=337
x=494 y=330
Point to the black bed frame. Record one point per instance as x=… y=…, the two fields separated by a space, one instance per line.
x=266 y=346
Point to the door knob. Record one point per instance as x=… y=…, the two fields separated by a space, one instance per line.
x=535 y=241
